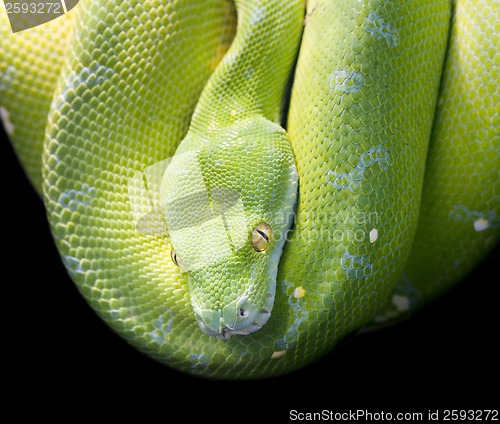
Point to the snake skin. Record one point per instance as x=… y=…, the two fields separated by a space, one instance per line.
x=360 y=117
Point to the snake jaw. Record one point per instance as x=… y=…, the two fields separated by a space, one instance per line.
x=240 y=317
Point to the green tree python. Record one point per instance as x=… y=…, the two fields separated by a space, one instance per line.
x=235 y=188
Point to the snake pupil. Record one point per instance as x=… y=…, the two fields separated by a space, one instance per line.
x=174 y=257
x=263 y=235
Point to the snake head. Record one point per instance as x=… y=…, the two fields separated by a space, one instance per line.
x=229 y=202
x=233 y=296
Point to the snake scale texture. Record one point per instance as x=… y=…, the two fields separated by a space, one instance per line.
x=236 y=187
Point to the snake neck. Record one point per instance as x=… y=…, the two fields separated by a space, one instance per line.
x=252 y=77
x=236 y=164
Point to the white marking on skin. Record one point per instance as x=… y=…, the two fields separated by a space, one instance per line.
x=299 y=292
x=481 y=224
x=404 y=300
x=298 y=313
x=7 y=124
x=234 y=113
x=402 y=303
x=377 y=27
x=480 y=220
x=373 y=235
x=278 y=354
x=408 y=289
x=345 y=80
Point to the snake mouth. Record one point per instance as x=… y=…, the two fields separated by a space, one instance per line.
x=240 y=317
x=224 y=332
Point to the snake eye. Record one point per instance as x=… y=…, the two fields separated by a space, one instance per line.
x=261 y=237
x=175 y=258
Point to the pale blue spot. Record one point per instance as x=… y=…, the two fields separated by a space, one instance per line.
x=258 y=15
x=162 y=327
x=114 y=313
x=7 y=78
x=73 y=265
x=346 y=180
x=71 y=199
x=345 y=80
x=356 y=267
x=90 y=76
x=350 y=180
x=462 y=213
x=299 y=314
x=244 y=354
x=248 y=73
x=59 y=101
x=377 y=27
x=199 y=361
x=377 y=154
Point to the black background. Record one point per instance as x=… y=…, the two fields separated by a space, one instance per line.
x=60 y=354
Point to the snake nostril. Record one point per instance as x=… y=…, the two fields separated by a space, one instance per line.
x=240 y=313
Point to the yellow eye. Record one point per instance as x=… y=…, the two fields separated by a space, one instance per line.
x=261 y=237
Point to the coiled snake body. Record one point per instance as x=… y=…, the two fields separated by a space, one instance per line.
x=208 y=236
